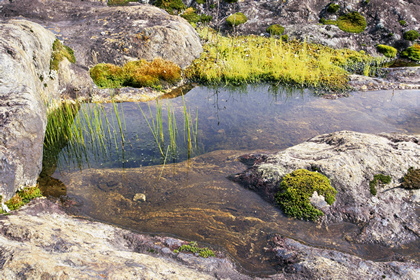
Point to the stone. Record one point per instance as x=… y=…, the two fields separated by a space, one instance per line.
x=26 y=86
x=140 y=197
x=350 y=160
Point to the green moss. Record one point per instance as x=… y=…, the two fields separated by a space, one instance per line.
x=411 y=180
x=333 y=8
x=118 y=2
x=60 y=52
x=378 y=179
x=411 y=35
x=231 y=1
x=402 y=22
x=193 y=248
x=275 y=29
x=297 y=187
x=22 y=197
x=191 y=16
x=200 y=1
x=171 y=6
x=139 y=73
x=387 y=51
x=412 y=52
x=352 y=22
x=236 y=19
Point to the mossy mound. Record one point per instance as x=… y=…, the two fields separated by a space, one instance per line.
x=297 y=187
x=412 y=52
x=387 y=51
x=236 y=19
x=411 y=35
x=139 y=73
x=411 y=180
x=352 y=22
x=192 y=17
x=275 y=29
x=333 y=8
x=171 y=6
x=22 y=197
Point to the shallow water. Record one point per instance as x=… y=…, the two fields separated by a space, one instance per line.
x=193 y=199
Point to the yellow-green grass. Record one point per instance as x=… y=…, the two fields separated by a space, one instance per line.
x=251 y=59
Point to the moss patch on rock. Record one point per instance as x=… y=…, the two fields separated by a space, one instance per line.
x=411 y=35
x=352 y=22
x=171 y=6
x=411 y=180
x=60 y=52
x=275 y=29
x=387 y=51
x=295 y=191
x=23 y=197
x=236 y=19
x=193 y=248
x=412 y=52
x=140 y=73
x=378 y=179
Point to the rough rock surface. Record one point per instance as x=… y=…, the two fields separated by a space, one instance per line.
x=26 y=85
x=350 y=160
x=42 y=242
x=102 y=34
x=301 y=20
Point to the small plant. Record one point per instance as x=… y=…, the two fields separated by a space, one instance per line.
x=412 y=52
x=297 y=187
x=378 y=179
x=275 y=29
x=193 y=248
x=333 y=8
x=200 y=2
x=60 y=52
x=352 y=22
x=411 y=35
x=171 y=6
x=236 y=19
x=192 y=17
x=118 y=2
x=411 y=180
x=402 y=22
x=22 y=197
x=387 y=51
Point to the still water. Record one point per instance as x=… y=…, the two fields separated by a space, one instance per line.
x=186 y=190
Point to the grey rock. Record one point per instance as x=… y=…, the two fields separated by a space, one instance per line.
x=26 y=87
x=350 y=160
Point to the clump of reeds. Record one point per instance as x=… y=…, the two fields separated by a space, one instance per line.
x=141 y=73
x=250 y=59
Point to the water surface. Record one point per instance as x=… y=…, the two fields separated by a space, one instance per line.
x=192 y=198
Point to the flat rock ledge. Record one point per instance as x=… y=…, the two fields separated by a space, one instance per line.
x=40 y=241
x=350 y=160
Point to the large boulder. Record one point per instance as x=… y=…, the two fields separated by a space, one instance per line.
x=26 y=86
x=102 y=34
x=351 y=160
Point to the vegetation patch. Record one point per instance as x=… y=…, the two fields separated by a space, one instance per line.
x=411 y=180
x=387 y=51
x=192 y=17
x=297 y=187
x=402 y=22
x=193 y=248
x=378 y=179
x=171 y=6
x=412 y=52
x=60 y=52
x=333 y=8
x=352 y=22
x=253 y=59
x=119 y=2
x=236 y=19
x=140 y=73
x=411 y=35
x=23 y=197
x=275 y=29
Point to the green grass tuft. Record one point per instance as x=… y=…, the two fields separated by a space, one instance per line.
x=275 y=29
x=295 y=191
x=411 y=35
x=412 y=52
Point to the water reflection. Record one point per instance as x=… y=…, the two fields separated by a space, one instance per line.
x=193 y=199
